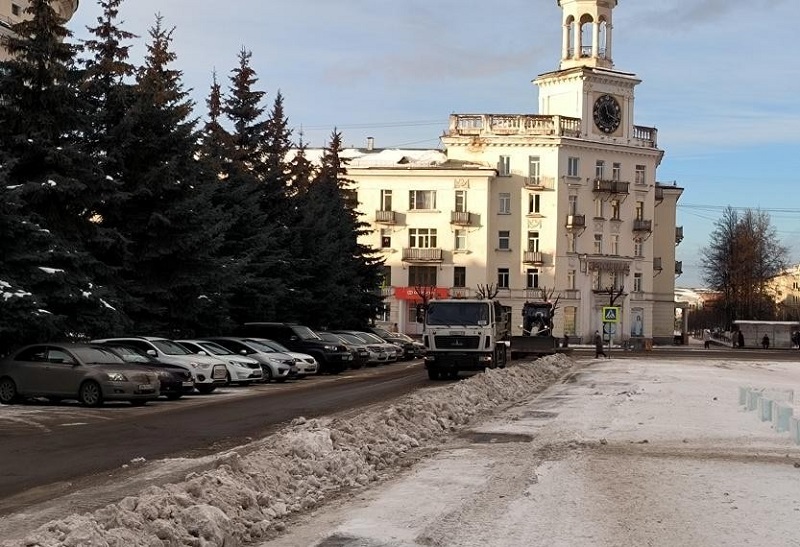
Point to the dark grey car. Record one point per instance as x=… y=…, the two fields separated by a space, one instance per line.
x=89 y=373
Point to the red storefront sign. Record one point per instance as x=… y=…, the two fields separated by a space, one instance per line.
x=410 y=293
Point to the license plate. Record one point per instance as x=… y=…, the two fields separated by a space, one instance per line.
x=219 y=373
x=187 y=384
x=347 y=357
x=146 y=387
x=457 y=333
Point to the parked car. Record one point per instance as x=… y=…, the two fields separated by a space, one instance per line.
x=355 y=346
x=332 y=358
x=175 y=380
x=207 y=372
x=275 y=366
x=394 y=350
x=412 y=349
x=306 y=364
x=379 y=351
x=241 y=369
x=89 y=373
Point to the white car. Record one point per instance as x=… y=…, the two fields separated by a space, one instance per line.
x=276 y=366
x=207 y=372
x=241 y=369
x=306 y=364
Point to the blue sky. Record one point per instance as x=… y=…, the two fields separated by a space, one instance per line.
x=720 y=80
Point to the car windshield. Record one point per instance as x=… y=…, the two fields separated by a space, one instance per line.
x=274 y=345
x=216 y=349
x=97 y=356
x=330 y=337
x=305 y=333
x=457 y=313
x=131 y=355
x=352 y=339
x=259 y=346
x=371 y=337
x=170 y=348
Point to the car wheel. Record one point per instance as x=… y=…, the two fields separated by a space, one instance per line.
x=267 y=376
x=205 y=389
x=227 y=378
x=8 y=391
x=433 y=374
x=90 y=394
x=138 y=402
x=174 y=396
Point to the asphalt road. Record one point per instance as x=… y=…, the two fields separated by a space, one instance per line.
x=46 y=446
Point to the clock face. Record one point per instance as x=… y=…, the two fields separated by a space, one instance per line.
x=607 y=114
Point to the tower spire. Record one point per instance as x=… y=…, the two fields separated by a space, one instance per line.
x=586 y=38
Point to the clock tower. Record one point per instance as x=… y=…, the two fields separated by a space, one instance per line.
x=587 y=86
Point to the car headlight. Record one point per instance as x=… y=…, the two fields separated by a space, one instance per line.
x=329 y=348
x=239 y=363
x=163 y=374
x=117 y=377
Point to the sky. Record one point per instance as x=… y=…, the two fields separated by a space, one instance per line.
x=720 y=81
x=550 y=452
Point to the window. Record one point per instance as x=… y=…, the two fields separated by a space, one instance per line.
x=385 y=312
x=614 y=244
x=598 y=208
x=573 y=165
x=386 y=238
x=386 y=200
x=504 y=240
x=616 y=170
x=387 y=276
x=570 y=320
x=640 y=177
x=637 y=282
x=639 y=210
x=532 y=278
x=573 y=205
x=571 y=280
x=459 y=276
x=461 y=201
x=598 y=244
x=422 y=276
x=534 y=204
x=422 y=238
x=16 y=10
x=596 y=280
x=533 y=242
x=534 y=169
x=421 y=199
x=571 y=243
x=461 y=240
x=615 y=209
x=505 y=203
x=599 y=169
x=616 y=280
x=502 y=278
x=638 y=247
x=504 y=166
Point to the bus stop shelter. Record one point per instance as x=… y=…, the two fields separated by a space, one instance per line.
x=779 y=332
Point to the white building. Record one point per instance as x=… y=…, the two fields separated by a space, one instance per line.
x=13 y=11
x=563 y=203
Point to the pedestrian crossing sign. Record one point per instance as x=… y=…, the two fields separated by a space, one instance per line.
x=611 y=314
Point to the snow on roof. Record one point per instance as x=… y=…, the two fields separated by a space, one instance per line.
x=362 y=158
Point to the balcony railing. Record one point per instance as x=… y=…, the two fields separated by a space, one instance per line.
x=513 y=124
x=571 y=294
x=387 y=291
x=576 y=221
x=610 y=186
x=540 y=183
x=640 y=225
x=659 y=194
x=460 y=218
x=657 y=264
x=678 y=267
x=414 y=254
x=533 y=294
x=533 y=257
x=678 y=234
x=385 y=217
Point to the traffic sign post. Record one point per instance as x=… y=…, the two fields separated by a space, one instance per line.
x=611 y=316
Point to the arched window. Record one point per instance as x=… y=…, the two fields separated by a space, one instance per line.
x=570 y=30
x=587 y=28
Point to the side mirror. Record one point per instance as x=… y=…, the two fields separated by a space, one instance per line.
x=202 y=352
x=243 y=352
x=152 y=353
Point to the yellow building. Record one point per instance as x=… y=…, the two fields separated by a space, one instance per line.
x=785 y=289
x=13 y=11
x=563 y=204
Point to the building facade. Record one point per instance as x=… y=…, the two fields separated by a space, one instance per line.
x=564 y=204
x=785 y=289
x=13 y=11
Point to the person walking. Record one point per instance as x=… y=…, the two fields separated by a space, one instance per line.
x=765 y=342
x=706 y=338
x=740 y=339
x=598 y=345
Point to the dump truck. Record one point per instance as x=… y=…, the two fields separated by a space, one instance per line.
x=465 y=335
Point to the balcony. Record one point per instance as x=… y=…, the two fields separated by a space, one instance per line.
x=659 y=194
x=533 y=257
x=460 y=218
x=484 y=125
x=576 y=222
x=387 y=291
x=571 y=294
x=610 y=186
x=385 y=217
x=678 y=267
x=540 y=183
x=640 y=225
x=678 y=235
x=534 y=294
x=657 y=264
x=429 y=254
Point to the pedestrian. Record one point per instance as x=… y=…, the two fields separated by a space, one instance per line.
x=765 y=342
x=740 y=338
x=598 y=345
x=565 y=343
x=706 y=338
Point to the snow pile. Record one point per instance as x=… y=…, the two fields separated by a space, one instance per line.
x=252 y=490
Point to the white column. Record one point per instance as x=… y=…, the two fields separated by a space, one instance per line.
x=576 y=40
x=565 y=42
x=595 y=40
x=608 y=41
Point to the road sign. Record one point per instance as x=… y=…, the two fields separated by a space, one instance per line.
x=610 y=328
x=611 y=314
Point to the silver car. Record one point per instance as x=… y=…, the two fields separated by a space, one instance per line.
x=305 y=364
x=275 y=365
x=89 y=373
x=242 y=370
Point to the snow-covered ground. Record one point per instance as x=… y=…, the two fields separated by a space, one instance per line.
x=552 y=452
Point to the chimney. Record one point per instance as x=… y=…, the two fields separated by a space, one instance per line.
x=370 y=143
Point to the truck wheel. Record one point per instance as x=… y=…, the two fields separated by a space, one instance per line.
x=503 y=357
x=433 y=374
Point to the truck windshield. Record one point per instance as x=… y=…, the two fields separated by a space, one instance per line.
x=457 y=313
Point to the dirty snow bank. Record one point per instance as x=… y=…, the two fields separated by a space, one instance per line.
x=248 y=496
